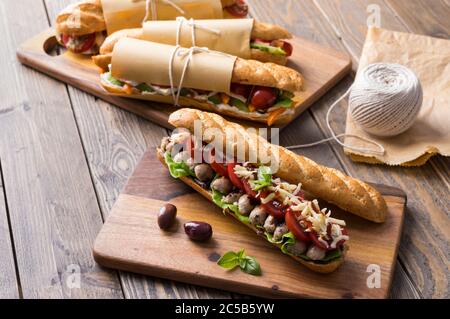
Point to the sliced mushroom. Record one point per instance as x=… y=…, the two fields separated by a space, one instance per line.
x=316 y=253
x=232 y=198
x=204 y=172
x=297 y=249
x=184 y=157
x=270 y=224
x=245 y=205
x=258 y=216
x=222 y=185
x=279 y=232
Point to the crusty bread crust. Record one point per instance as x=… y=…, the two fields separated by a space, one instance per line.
x=266 y=74
x=227 y=3
x=110 y=41
x=326 y=183
x=320 y=268
x=269 y=32
x=283 y=119
x=81 y=18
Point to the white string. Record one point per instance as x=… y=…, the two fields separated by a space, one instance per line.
x=335 y=137
x=385 y=100
x=182 y=53
x=152 y=4
x=193 y=26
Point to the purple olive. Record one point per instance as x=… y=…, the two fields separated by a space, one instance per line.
x=198 y=231
x=166 y=216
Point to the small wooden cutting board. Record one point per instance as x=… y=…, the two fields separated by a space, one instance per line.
x=321 y=67
x=131 y=240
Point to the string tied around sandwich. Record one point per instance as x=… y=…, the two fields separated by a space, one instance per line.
x=188 y=55
x=150 y=5
x=191 y=22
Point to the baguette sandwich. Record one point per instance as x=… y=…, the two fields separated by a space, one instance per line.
x=82 y=27
x=270 y=202
x=266 y=42
x=246 y=89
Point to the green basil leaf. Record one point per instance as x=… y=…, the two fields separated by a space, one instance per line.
x=264 y=178
x=241 y=254
x=229 y=261
x=251 y=267
x=177 y=170
x=267 y=48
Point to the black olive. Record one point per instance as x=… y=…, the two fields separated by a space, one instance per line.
x=166 y=216
x=198 y=231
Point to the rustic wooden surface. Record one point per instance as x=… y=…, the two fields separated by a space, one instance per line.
x=321 y=68
x=66 y=155
x=131 y=240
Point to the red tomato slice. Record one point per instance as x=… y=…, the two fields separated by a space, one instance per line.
x=219 y=168
x=248 y=189
x=294 y=226
x=88 y=42
x=239 y=9
x=65 y=38
x=236 y=181
x=317 y=242
x=276 y=209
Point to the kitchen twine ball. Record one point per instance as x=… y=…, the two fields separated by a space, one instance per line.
x=385 y=99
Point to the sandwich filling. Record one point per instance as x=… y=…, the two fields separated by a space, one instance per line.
x=255 y=196
x=84 y=44
x=238 y=10
x=244 y=98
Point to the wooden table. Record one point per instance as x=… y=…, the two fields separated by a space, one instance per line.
x=65 y=156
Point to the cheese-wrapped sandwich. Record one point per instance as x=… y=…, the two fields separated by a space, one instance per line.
x=245 y=38
x=82 y=27
x=214 y=81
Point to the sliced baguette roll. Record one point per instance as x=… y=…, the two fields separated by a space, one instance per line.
x=316 y=267
x=329 y=184
x=81 y=18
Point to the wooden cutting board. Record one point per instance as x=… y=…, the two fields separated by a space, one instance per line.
x=131 y=240
x=322 y=68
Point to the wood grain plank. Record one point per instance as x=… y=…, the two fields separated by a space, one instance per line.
x=114 y=141
x=425 y=256
x=428 y=17
x=9 y=287
x=51 y=201
x=305 y=19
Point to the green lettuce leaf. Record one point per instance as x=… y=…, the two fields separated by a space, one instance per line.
x=177 y=170
x=217 y=199
x=286 y=103
x=267 y=48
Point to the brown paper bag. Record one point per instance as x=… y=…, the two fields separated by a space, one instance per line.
x=429 y=58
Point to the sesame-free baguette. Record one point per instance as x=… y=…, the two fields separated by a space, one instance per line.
x=323 y=182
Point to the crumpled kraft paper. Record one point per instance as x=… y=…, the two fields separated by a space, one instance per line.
x=127 y=14
x=233 y=35
x=429 y=58
x=148 y=62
